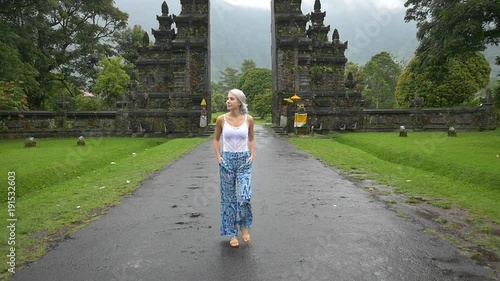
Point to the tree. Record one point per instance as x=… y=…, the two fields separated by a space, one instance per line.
x=218 y=97
x=451 y=29
x=229 y=78
x=61 y=39
x=128 y=42
x=464 y=76
x=254 y=83
x=380 y=76
x=19 y=21
x=112 y=80
x=248 y=65
x=80 y=31
x=12 y=97
x=262 y=104
x=12 y=69
x=89 y=103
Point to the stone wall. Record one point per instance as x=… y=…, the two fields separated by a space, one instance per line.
x=414 y=119
x=22 y=124
x=429 y=119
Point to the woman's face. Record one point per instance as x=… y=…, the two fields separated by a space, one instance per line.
x=232 y=102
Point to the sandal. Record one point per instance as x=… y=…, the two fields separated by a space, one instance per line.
x=245 y=235
x=234 y=242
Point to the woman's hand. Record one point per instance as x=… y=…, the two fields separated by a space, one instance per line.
x=250 y=159
x=220 y=159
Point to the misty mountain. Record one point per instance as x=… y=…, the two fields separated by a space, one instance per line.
x=239 y=33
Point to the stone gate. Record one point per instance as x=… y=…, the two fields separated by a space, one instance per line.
x=174 y=73
x=307 y=63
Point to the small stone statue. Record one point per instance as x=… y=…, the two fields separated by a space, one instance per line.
x=80 y=141
x=452 y=132
x=30 y=142
x=403 y=132
x=350 y=83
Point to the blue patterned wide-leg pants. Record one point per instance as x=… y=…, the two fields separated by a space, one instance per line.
x=236 y=192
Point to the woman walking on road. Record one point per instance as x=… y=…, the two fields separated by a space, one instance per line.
x=235 y=164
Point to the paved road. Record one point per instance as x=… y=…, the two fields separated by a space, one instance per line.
x=310 y=223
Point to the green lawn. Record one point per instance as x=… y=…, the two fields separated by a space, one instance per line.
x=60 y=186
x=54 y=161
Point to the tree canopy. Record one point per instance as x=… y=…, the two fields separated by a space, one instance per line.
x=229 y=78
x=248 y=65
x=464 y=76
x=256 y=83
x=112 y=80
x=60 y=40
x=218 y=97
x=380 y=76
x=128 y=42
x=451 y=28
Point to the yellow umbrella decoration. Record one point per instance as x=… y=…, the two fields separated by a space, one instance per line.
x=295 y=98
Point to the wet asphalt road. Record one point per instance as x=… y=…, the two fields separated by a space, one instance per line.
x=310 y=223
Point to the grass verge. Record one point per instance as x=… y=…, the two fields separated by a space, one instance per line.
x=86 y=184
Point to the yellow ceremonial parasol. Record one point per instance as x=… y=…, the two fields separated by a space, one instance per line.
x=295 y=98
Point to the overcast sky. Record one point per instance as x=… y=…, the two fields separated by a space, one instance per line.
x=367 y=24
x=309 y=4
x=143 y=12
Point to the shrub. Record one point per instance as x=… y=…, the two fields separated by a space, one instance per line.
x=89 y=103
x=12 y=97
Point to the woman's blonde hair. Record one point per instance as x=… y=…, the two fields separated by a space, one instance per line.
x=240 y=96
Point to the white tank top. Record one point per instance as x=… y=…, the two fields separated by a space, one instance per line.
x=235 y=139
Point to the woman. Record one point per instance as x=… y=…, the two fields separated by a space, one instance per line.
x=235 y=164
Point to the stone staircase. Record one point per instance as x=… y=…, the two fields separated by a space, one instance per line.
x=209 y=131
x=278 y=131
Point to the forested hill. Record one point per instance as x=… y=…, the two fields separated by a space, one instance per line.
x=239 y=33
